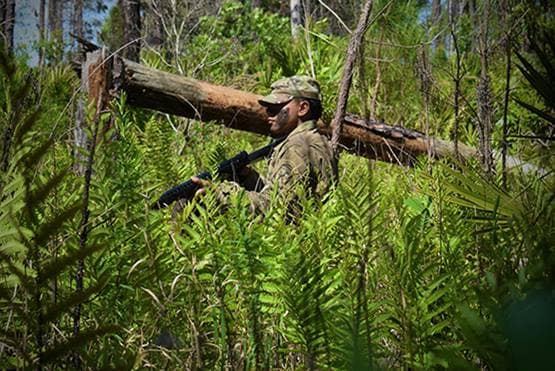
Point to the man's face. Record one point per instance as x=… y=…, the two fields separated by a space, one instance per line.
x=283 y=118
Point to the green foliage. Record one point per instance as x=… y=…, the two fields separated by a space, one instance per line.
x=34 y=258
x=427 y=267
x=542 y=82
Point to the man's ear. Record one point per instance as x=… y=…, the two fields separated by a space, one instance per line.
x=304 y=108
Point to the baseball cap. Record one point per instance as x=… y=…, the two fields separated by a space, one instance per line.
x=288 y=88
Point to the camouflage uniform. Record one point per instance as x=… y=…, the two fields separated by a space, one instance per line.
x=304 y=161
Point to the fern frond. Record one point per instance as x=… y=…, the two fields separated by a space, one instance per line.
x=29 y=229
x=50 y=227
x=54 y=266
x=84 y=337
x=50 y=313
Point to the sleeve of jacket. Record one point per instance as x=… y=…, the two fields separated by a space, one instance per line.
x=288 y=168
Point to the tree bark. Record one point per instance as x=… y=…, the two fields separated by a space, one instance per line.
x=132 y=29
x=457 y=80
x=55 y=21
x=484 y=94
x=296 y=22
x=507 y=44
x=2 y=21
x=7 y=22
x=78 y=22
x=436 y=11
x=155 y=35
x=42 y=30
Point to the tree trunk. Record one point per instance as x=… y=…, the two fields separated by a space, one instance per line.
x=296 y=22
x=453 y=11
x=153 y=24
x=10 y=23
x=436 y=11
x=132 y=29
x=60 y=18
x=484 y=94
x=42 y=33
x=78 y=19
x=55 y=21
x=79 y=132
x=7 y=22
x=507 y=44
x=456 y=79
x=346 y=79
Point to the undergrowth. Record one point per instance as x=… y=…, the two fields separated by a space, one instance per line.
x=433 y=266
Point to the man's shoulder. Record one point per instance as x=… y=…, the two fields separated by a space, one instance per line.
x=306 y=137
x=305 y=141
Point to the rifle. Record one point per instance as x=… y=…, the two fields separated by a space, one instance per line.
x=226 y=170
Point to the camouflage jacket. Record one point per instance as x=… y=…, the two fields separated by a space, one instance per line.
x=302 y=162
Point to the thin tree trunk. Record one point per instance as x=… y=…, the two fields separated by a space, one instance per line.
x=505 y=144
x=7 y=22
x=60 y=19
x=42 y=30
x=307 y=22
x=132 y=30
x=55 y=21
x=484 y=94
x=435 y=21
x=2 y=19
x=84 y=229
x=78 y=22
x=79 y=133
x=453 y=15
x=454 y=11
x=346 y=80
x=436 y=11
x=296 y=22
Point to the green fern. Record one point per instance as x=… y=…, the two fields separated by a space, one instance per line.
x=26 y=266
x=358 y=226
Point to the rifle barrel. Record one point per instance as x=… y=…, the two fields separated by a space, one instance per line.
x=187 y=189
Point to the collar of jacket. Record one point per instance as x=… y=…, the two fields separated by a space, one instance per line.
x=303 y=126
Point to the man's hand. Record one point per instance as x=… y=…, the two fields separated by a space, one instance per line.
x=202 y=184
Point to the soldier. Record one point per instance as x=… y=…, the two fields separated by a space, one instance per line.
x=303 y=161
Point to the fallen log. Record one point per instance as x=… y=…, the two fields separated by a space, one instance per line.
x=178 y=95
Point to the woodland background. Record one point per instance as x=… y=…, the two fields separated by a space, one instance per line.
x=441 y=265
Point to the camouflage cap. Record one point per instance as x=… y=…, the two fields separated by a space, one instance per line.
x=288 y=88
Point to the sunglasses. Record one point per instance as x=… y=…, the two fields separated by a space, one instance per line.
x=273 y=109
